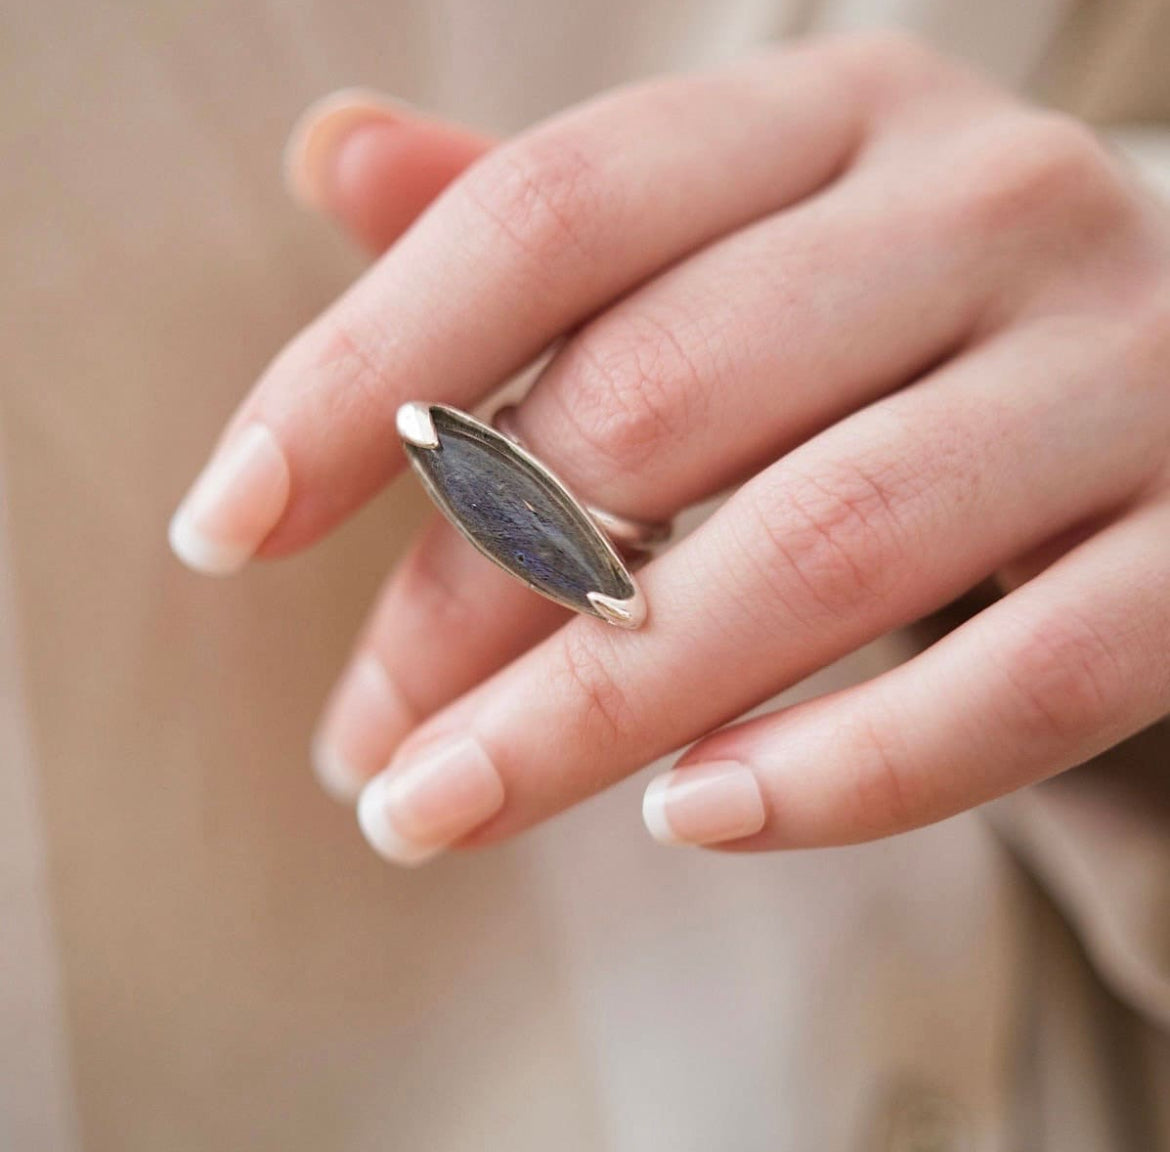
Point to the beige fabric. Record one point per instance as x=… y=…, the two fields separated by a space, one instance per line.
x=36 y=1101
x=1097 y=837
x=236 y=970
x=1109 y=63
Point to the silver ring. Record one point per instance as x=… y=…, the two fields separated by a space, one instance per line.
x=520 y=515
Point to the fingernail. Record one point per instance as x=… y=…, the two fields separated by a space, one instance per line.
x=415 y=810
x=704 y=804
x=233 y=505
x=313 y=151
x=364 y=722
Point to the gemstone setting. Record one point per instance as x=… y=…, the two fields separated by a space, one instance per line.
x=518 y=513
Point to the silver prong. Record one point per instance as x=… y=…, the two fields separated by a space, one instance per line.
x=415 y=425
x=629 y=613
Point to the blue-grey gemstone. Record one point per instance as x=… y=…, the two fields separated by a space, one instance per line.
x=516 y=513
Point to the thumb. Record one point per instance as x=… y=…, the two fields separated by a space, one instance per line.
x=373 y=163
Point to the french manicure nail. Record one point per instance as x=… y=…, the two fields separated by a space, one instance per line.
x=316 y=140
x=364 y=722
x=414 y=810
x=233 y=505
x=704 y=804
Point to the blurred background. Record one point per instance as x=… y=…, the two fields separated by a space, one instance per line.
x=196 y=950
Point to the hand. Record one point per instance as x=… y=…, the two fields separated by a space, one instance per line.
x=924 y=326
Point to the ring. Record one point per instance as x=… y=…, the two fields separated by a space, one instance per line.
x=517 y=512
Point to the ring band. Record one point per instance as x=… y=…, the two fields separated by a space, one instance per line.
x=630 y=535
x=520 y=515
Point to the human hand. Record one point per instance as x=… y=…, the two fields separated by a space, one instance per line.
x=926 y=328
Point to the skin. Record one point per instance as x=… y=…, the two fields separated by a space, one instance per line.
x=924 y=327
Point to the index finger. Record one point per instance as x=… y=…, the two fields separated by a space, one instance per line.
x=527 y=243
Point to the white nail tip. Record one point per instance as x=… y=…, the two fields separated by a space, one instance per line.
x=374 y=821
x=335 y=775
x=654 y=811
x=202 y=554
x=233 y=505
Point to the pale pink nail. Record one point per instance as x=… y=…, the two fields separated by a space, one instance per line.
x=233 y=505
x=704 y=804
x=314 y=145
x=366 y=719
x=414 y=810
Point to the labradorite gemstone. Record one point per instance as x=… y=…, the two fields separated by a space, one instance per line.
x=515 y=513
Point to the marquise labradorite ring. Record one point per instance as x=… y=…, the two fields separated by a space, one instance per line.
x=520 y=515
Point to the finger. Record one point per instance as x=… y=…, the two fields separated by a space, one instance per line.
x=447 y=619
x=540 y=233
x=667 y=398
x=877 y=521
x=373 y=164
x=716 y=367
x=1058 y=671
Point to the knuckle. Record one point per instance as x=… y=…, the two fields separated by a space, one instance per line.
x=631 y=392
x=350 y=362
x=604 y=717
x=1065 y=678
x=838 y=536
x=1131 y=330
x=1040 y=167
x=885 y=793
x=542 y=196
